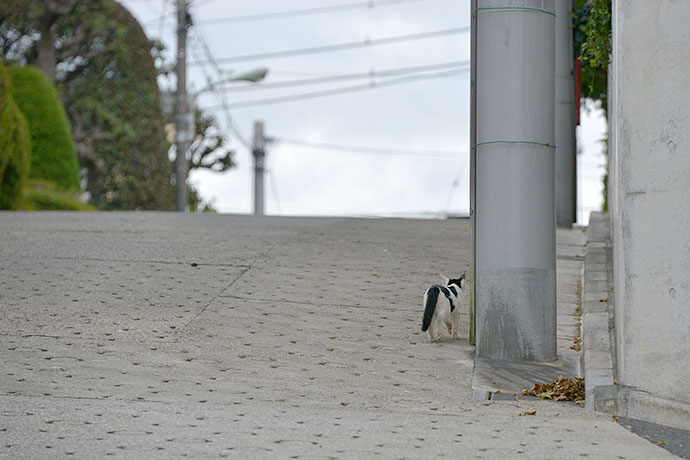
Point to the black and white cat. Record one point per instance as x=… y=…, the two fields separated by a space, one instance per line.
x=442 y=308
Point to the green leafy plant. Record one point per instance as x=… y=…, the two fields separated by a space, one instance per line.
x=53 y=156
x=15 y=146
x=592 y=38
x=103 y=65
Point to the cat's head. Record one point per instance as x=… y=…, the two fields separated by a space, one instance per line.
x=460 y=282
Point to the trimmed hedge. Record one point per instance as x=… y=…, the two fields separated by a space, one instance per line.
x=53 y=155
x=46 y=196
x=15 y=146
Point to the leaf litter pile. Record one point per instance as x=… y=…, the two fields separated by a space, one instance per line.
x=561 y=389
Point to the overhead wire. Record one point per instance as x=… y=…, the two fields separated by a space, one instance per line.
x=340 y=46
x=376 y=150
x=341 y=90
x=353 y=76
x=164 y=3
x=302 y=12
x=152 y=8
x=221 y=95
x=454 y=185
x=200 y=2
x=274 y=190
x=371 y=4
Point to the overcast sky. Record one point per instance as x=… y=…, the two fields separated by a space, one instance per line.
x=418 y=125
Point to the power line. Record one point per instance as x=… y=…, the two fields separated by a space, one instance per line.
x=371 y=4
x=347 y=89
x=200 y=2
x=160 y=23
x=302 y=12
x=274 y=190
x=454 y=185
x=340 y=46
x=224 y=103
x=376 y=150
x=152 y=8
x=353 y=76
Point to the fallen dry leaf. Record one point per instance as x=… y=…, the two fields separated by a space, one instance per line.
x=561 y=389
x=522 y=414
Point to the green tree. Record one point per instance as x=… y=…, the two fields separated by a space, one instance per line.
x=592 y=40
x=208 y=148
x=53 y=156
x=102 y=62
x=15 y=146
x=104 y=67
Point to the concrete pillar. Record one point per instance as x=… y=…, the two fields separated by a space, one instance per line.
x=566 y=185
x=649 y=109
x=514 y=166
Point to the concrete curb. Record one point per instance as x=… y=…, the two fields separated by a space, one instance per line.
x=641 y=405
x=597 y=356
x=602 y=391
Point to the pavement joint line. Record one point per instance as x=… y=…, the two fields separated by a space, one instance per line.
x=201 y=312
x=161 y=262
x=348 y=408
x=298 y=302
x=306 y=302
x=246 y=269
x=82 y=339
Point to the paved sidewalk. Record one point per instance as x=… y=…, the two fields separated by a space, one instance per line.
x=134 y=335
x=501 y=380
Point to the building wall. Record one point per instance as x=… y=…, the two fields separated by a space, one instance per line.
x=649 y=193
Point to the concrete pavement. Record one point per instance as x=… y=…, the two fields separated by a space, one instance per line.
x=133 y=335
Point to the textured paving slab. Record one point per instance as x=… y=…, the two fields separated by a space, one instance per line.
x=132 y=335
x=123 y=429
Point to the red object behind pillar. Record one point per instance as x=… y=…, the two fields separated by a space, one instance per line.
x=578 y=89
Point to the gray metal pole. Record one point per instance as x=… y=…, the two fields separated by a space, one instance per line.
x=515 y=231
x=472 y=276
x=182 y=128
x=566 y=188
x=259 y=154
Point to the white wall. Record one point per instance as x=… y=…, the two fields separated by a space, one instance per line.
x=650 y=193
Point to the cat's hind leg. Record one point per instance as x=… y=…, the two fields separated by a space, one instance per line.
x=455 y=321
x=431 y=332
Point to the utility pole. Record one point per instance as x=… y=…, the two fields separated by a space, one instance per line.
x=259 y=153
x=183 y=134
x=566 y=185
x=514 y=222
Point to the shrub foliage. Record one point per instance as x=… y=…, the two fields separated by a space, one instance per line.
x=53 y=156
x=15 y=146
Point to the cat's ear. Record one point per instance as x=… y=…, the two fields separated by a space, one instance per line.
x=445 y=280
x=463 y=281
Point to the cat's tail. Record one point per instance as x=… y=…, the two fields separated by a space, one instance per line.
x=430 y=307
